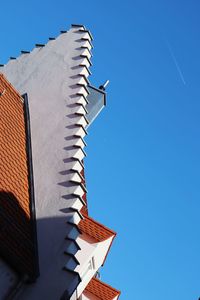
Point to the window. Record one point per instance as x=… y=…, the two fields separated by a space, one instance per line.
x=89 y=267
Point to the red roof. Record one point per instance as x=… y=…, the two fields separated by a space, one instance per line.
x=95 y=230
x=102 y=290
x=91 y=227
x=88 y=225
x=15 y=218
x=84 y=209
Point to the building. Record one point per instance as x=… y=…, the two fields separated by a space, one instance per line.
x=50 y=247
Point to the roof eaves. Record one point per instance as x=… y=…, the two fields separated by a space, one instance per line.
x=94 y=283
x=110 y=232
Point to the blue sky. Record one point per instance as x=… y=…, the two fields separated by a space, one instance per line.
x=143 y=162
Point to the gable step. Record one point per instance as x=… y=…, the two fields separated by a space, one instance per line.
x=73 y=202
x=72 y=231
x=82 y=121
x=72 y=262
x=75 y=165
x=73 y=176
x=71 y=246
x=87 y=42
x=84 y=71
x=78 y=131
x=80 y=90
x=74 y=216
x=86 y=32
x=79 y=109
x=84 y=61
x=82 y=79
x=76 y=153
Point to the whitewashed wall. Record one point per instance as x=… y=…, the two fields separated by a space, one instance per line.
x=52 y=78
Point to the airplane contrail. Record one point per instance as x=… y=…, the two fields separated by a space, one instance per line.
x=175 y=62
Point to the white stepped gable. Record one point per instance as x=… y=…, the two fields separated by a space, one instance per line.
x=71 y=264
x=55 y=79
x=85 y=35
x=73 y=177
x=75 y=141
x=83 y=71
x=82 y=39
x=81 y=80
x=52 y=77
x=82 y=121
x=84 y=62
x=86 y=52
x=86 y=44
x=71 y=248
x=78 y=119
x=78 y=132
x=77 y=89
x=78 y=99
x=77 y=153
x=73 y=217
x=75 y=189
x=90 y=260
x=81 y=100
x=72 y=232
x=79 y=110
x=74 y=165
x=74 y=203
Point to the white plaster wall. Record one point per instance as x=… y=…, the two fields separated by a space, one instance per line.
x=90 y=249
x=49 y=75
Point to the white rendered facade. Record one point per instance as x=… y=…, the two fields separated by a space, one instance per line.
x=54 y=77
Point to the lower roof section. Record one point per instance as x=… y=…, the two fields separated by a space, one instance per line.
x=94 y=229
x=55 y=78
x=97 y=289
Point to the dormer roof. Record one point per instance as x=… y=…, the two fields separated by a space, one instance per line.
x=95 y=230
x=102 y=290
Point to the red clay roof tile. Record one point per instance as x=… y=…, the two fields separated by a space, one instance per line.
x=102 y=290
x=94 y=229
x=15 y=213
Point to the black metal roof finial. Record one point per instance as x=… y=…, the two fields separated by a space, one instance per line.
x=103 y=86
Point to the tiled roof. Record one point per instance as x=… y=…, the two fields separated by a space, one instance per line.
x=94 y=229
x=84 y=209
x=15 y=214
x=102 y=290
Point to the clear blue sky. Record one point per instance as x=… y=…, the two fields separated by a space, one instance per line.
x=143 y=166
